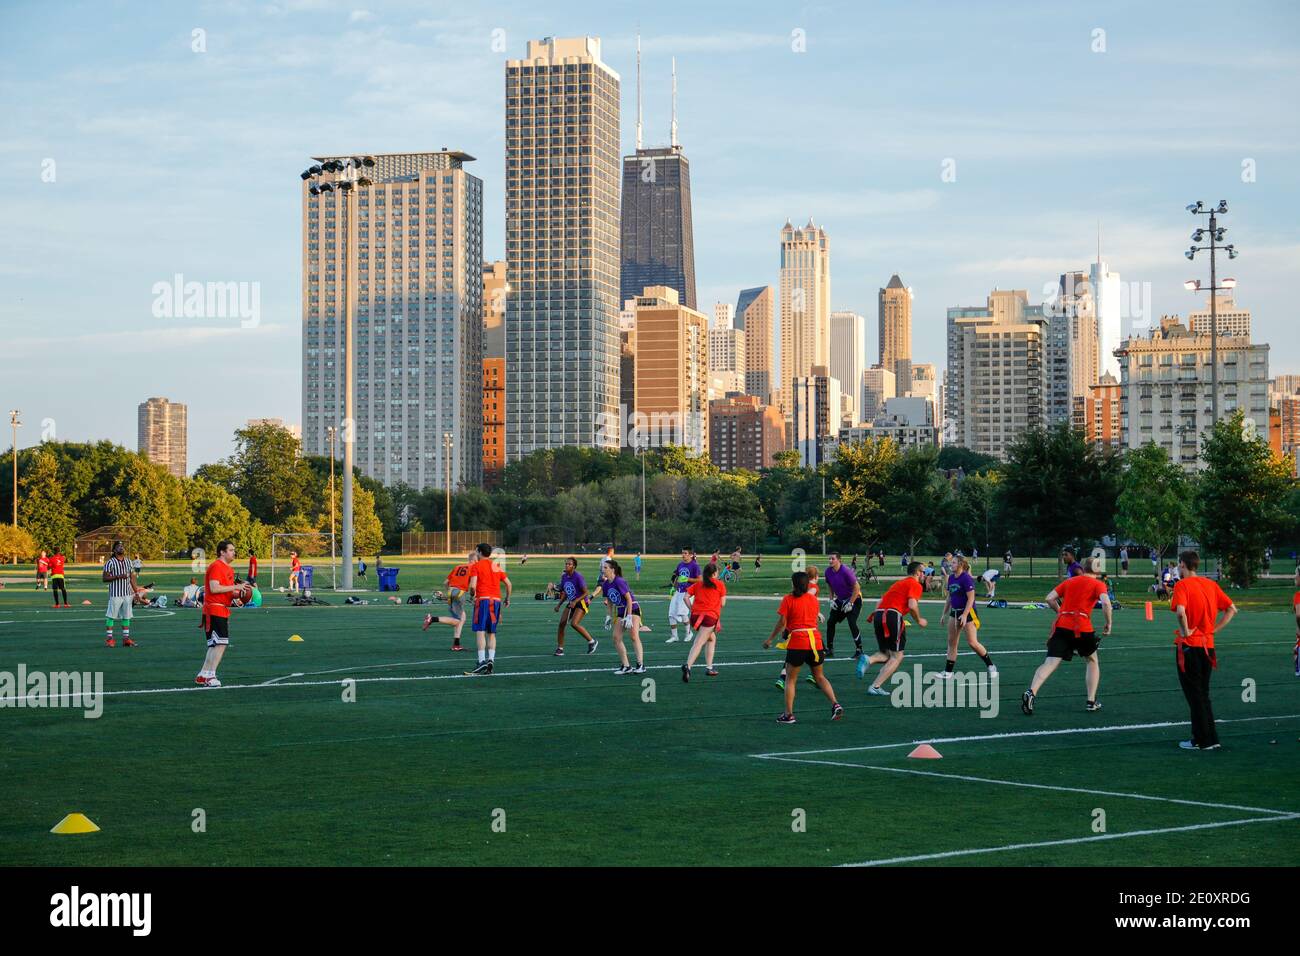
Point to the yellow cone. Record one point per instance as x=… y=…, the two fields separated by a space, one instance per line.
x=75 y=823
x=296 y=639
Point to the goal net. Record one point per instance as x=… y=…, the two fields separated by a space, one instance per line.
x=317 y=550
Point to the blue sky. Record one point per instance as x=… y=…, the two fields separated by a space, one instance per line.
x=167 y=160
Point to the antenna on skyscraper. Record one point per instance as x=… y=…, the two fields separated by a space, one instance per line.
x=638 y=91
x=673 y=134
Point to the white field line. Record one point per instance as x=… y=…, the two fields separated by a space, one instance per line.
x=1088 y=839
x=152 y=611
x=1015 y=734
x=1038 y=786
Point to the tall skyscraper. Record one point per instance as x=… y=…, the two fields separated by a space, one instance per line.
x=671 y=365
x=805 y=305
x=494 y=371
x=1107 y=303
x=848 y=358
x=161 y=433
x=658 y=243
x=416 y=254
x=756 y=317
x=562 y=241
x=896 y=331
x=815 y=415
x=1074 y=304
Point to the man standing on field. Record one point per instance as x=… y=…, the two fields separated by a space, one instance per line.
x=220 y=593
x=120 y=578
x=485 y=580
x=1198 y=603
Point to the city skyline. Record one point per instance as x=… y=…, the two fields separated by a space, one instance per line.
x=188 y=122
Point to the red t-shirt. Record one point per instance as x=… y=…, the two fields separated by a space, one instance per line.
x=252 y=566
x=800 y=615
x=459 y=577
x=489 y=579
x=707 y=600
x=1079 y=595
x=217 y=605
x=899 y=594
x=1203 y=599
x=42 y=564
x=56 y=564
x=295 y=564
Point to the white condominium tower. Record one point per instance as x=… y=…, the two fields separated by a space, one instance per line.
x=805 y=305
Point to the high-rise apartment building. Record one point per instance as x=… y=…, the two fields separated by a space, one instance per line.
x=879 y=384
x=415 y=253
x=1107 y=303
x=756 y=317
x=744 y=433
x=848 y=359
x=724 y=316
x=726 y=360
x=562 y=248
x=896 y=331
x=670 y=353
x=1074 y=303
x=494 y=371
x=815 y=411
x=161 y=433
x=805 y=305
x=1100 y=415
x=1230 y=318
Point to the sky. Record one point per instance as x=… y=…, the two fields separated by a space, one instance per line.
x=963 y=146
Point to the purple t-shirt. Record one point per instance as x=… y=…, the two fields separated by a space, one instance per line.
x=959 y=585
x=572 y=584
x=689 y=568
x=1074 y=570
x=841 y=582
x=619 y=594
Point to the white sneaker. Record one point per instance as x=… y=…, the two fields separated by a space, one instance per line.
x=993 y=669
x=945 y=675
x=671 y=640
x=212 y=682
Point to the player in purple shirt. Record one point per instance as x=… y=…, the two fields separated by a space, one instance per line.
x=1072 y=566
x=846 y=603
x=573 y=598
x=626 y=612
x=962 y=619
x=685 y=574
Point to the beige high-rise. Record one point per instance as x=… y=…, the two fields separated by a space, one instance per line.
x=805 y=306
x=756 y=316
x=670 y=354
x=896 y=331
x=1229 y=318
x=162 y=428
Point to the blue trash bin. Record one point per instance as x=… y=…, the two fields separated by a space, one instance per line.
x=304 y=579
x=388 y=579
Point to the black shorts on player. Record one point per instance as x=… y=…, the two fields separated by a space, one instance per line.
x=798 y=658
x=890 y=633
x=1065 y=645
x=218 y=631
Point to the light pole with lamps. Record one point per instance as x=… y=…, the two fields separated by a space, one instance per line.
x=13 y=420
x=331 y=433
x=1216 y=234
x=345 y=176
x=447 y=443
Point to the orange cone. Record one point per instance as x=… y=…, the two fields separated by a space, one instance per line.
x=1149 y=617
x=85 y=602
x=926 y=752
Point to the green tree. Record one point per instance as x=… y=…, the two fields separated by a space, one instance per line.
x=731 y=513
x=1154 y=504
x=44 y=509
x=1240 y=500
x=215 y=515
x=16 y=544
x=268 y=477
x=952 y=457
x=147 y=497
x=860 y=481
x=917 y=499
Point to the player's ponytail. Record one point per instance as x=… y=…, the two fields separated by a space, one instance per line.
x=706 y=577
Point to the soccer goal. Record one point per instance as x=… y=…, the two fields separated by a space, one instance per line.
x=317 y=549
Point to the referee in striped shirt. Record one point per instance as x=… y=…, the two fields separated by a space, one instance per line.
x=120 y=578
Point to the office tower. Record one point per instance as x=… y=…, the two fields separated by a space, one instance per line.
x=926 y=384
x=815 y=415
x=1106 y=302
x=658 y=244
x=724 y=316
x=670 y=352
x=879 y=384
x=805 y=305
x=1230 y=318
x=848 y=350
x=755 y=316
x=997 y=372
x=494 y=371
x=896 y=331
x=418 y=317
x=161 y=434
x=1074 y=302
x=726 y=360
x=744 y=433
x=562 y=241
x=1166 y=381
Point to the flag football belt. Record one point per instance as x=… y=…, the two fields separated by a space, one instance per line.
x=1077 y=629
x=1181 y=643
x=812 y=645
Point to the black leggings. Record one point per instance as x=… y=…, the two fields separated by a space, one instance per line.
x=1194 y=672
x=851 y=615
x=60 y=588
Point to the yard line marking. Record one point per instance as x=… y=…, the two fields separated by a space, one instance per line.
x=274 y=680
x=1088 y=839
x=1022 y=733
x=1040 y=786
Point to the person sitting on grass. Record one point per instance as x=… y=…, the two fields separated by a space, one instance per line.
x=190 y=596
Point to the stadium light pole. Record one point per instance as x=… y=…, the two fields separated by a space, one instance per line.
x=641 y=452
x=14 y=415
x=1216 y=234
x=346 y=177
x=330 y=433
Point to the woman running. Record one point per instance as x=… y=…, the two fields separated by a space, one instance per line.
x=962 y=619
x=707 y=597
x=798 y=616
x=626 y=612
x=573 y=598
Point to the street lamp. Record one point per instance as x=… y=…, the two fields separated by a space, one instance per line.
x=447 y=443
x=345 y=176
x=13 y=420
x=1215 y=233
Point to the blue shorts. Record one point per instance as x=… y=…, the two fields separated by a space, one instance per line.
x=487 y=611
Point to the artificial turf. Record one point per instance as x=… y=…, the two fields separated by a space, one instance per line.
x=585 y=767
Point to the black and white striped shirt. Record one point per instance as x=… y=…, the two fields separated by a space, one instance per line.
x=115 y=566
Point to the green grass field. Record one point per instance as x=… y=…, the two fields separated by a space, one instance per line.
x=589 y=772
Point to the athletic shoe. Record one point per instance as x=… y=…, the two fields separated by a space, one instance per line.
x=1188 y=745
x=645 y=628
x=212 y=682
x=710 y=672
x=127 y=642
x=592 y=645
x=786 y=719
x=672 y=639
x=1092 y=705
x=458 y=647
x=623 y=669
x=1027 y=700
x=810 y=679
x=875 y=691
x=1211 y=747
x=639 y=668
x=482 y=670
x=559 y=652
x=861 y=667
x=829 y=652
x=837 y=711
x=686 y=674
x=428 y=621
x=857 y=652
x=67 y=605
x=946 y=675
x=109 y=642
x=492 y=667
x=200 y=679
x=780 y=683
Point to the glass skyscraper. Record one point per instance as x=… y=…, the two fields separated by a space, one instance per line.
x=658 y=241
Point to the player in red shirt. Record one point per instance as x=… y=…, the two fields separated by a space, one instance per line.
x=252 y=568
x=1198 y=602
x=485 y=578
x=799 y=615
x=457 y=582
x=295 y=571
x=220 y=593
x=1073 y=601
x=56 y=578
x=707 y=597
x=900 y=600
x=1295 y=606
x=42 y=572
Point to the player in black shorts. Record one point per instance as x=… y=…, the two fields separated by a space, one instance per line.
x=1073 y=600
